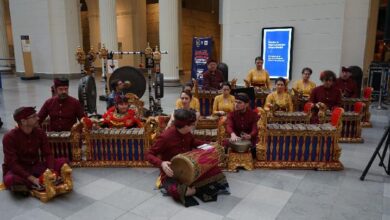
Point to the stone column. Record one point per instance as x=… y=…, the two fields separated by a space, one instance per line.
x=94 y=28
x=108 y=27
x=4 y=51
x=169 y=38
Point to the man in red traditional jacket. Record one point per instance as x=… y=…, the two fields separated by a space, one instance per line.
x=212 y=78
x=24 y=148
x=242 y=122
x=179 y=139
x=64 y=110
x=346 y=84
x=328 y=94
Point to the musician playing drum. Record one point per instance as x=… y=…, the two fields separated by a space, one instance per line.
x=121 y=115
x=179 y=139
x=242 y=122
x=280 y=100
x=63 y=109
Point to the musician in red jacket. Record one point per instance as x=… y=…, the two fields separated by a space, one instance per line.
x=64 y=110
x=212 y=78
x=24 y=148
x=179 y=139
x=346 y=84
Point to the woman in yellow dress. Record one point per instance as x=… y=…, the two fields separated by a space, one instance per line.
x=194 y=104
x=304 y=85
x=185 y=99
x=280 y=100
x=259 y=77
x=224 y=103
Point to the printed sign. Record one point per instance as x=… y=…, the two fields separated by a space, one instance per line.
x=201 y=52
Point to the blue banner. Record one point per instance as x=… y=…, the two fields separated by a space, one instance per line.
x=201 y=52
x=277 y=51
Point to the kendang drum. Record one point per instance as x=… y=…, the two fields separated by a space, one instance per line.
x=240 y=146
x=188 y=167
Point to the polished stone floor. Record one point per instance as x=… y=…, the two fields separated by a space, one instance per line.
x=127 y=193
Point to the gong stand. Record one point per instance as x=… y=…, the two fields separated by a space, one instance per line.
x=152 y=62
x=87 y=70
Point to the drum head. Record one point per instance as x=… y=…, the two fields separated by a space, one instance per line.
x=134 y=76
x=87 y=94
x=183 y=170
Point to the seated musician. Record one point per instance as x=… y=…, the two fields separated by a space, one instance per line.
x=327 y=94
x=185 y=97
x=116 y=89
x=346 y=84
x=194 y=104
x=24 y=147
x=258 y=77
x=63 y=109
x=179 y=139
x=280 y=100
x=304 y=85
x=120 y=115
x=212 y=78
x=224 y=103
x=242 y=122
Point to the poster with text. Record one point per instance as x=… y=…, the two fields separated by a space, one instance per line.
x=201 y=52
x=276 y=50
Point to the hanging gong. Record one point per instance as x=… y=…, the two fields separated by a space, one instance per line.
x=137 y=82
x=87 y=94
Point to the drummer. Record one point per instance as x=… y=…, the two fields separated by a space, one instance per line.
x=63 y=109
x=242 y=122
x=179 y=139
x=121 y=115
x=212 y=78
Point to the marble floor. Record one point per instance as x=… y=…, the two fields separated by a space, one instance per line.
x=127 y=193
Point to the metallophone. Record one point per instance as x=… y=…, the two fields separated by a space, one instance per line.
x=351 y=131
x=346 y=103
x=299 y=146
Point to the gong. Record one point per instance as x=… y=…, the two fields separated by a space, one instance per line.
x=87 y=94
x=132 y=75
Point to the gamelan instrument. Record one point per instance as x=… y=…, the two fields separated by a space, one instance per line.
x=87 y=93
x=188 y=167
x=132 y=75
x=240 y=146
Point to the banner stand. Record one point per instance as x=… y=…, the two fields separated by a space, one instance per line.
x=27 y=60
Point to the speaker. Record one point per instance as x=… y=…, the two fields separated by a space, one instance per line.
x=377 y=71
x=223 y=67
x=357 y=76
x=159 y=86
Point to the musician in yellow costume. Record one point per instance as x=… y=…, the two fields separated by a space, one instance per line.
x=258 y=77
x=280 y=100
x=224 y=103
x=304 y=85
x=121 y=115
x=194 y=103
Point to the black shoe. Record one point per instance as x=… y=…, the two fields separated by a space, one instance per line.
x=20 y=190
